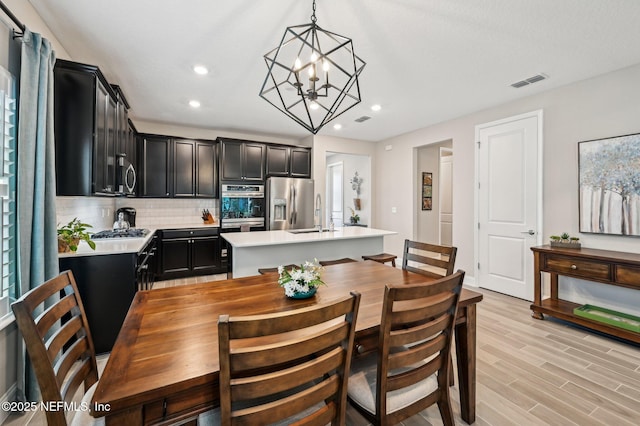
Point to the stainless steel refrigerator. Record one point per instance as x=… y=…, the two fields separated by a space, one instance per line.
x=289 y=203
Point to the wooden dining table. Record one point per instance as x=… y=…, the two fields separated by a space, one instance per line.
x=164 y=365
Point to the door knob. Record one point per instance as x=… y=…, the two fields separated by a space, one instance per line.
x=529 y=232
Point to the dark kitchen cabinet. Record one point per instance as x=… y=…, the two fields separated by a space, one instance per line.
x=85 y=126
x=107 y=285
x=189 y=252
x=242 y=160
x=155 y=155
x=288 y=161
x=91 y=130
x=300 y=162
x=173 y=167
x=194 y=168
x=277 y=160
x=184 y=165
x=206 y=169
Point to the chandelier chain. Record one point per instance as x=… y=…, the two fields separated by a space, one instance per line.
x=313 y=15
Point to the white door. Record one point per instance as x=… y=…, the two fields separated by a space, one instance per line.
x=509 y=164
x=446 y=196
x=335 y=193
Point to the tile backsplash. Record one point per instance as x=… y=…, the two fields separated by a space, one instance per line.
x=150 y=212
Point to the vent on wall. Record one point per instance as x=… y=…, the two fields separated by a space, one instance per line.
x=536 y=78
x=363 y=118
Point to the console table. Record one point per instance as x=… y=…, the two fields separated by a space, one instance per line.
x=602 y=266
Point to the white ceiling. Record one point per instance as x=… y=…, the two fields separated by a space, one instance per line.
x=427 y=60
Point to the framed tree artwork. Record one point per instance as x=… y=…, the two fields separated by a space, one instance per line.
x=609 y=176
x=427 y=191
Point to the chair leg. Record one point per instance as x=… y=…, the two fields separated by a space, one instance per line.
x=444 y=405
x=452 y=380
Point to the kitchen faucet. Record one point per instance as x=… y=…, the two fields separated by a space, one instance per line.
x=318 y=212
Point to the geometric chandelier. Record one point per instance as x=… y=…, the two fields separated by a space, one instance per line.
x=313 y=75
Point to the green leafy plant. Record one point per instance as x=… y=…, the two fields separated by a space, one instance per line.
x=70 y=235
x=554 y=238
x=564 y=236
x=354 y=217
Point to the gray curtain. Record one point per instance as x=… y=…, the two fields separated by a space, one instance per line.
x=36 y=181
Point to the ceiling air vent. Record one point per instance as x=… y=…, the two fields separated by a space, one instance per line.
x=530 y=80
x=362 y=119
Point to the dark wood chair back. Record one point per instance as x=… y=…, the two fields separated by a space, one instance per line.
x=58 y=341
x=276 y=366
x=413 y=355
x=432 y=260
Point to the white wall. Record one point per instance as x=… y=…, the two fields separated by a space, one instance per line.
x=607 y=105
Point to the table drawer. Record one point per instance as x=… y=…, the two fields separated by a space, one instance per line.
x=628 y=275
x=182 y=405
x=578 y=268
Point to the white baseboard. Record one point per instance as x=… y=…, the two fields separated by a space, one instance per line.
x=470 y=281
x=9 y=396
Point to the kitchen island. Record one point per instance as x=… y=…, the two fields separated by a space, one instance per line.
x=268 y=249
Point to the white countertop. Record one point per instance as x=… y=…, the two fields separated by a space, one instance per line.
x=265 y=238
x=106 y=246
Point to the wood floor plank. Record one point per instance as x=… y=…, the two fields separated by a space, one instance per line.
x=633 y=393
x=610 y=418
x=547 y=416
x=621 y=410
x=591 y=381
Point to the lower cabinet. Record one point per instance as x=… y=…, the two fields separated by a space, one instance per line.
x=107 y=284
x=189 y=252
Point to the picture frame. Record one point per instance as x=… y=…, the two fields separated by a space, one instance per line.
x=427 y=191
x=609 y=196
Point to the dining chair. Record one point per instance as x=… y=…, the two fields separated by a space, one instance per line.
x=410 y=369
x=428 y=259
x=60 y=346
x=286 y=366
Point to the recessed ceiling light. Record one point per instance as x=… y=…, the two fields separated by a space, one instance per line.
x=194 y=104
x=376 y=107
x=337 y=126
x=200 y=69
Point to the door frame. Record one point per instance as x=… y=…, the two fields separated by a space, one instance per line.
x=329 y=192
x=440 y=152
x=539 y=199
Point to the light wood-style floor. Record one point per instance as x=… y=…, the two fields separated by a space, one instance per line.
x=530 y=372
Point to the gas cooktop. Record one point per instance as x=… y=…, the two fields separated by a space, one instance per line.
x=122 y=233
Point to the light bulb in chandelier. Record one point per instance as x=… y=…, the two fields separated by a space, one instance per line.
x=314 y=105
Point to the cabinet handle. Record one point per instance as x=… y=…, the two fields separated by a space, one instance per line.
x=574 y=267
x=359 y=349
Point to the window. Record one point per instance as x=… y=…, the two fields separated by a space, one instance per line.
x=7 y=189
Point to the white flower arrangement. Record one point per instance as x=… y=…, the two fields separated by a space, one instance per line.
x=301 y=280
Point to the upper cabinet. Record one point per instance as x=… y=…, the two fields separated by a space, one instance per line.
x=154 y=166
x=86 y=121
x=173 y=167
x=242 y=160
x=288 y=161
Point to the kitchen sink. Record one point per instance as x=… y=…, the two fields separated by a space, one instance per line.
x=307 y=231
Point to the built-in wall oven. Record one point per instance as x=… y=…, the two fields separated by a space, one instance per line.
x=242 y=208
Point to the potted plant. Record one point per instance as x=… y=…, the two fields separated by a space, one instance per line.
x=70 y=235
x=300 y=283
x=564 y=240
x=354 y=217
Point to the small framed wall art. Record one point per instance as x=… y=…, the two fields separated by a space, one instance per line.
x=427 y=191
